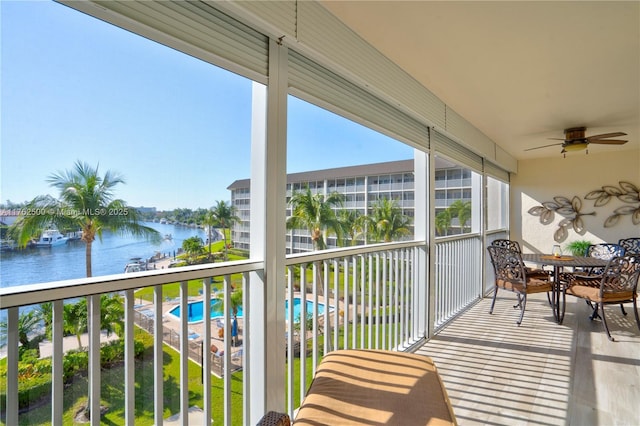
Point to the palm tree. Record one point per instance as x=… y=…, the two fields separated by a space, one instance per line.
x=225 y=216
x=27 y=322
x=86 y=203
x=352 y=223
x=443 y=222
x=461 y=210
x=387 y=221
x=193 y=246
x=315 y=213
x=209 y=221
x=112 y=314
x=75 y=319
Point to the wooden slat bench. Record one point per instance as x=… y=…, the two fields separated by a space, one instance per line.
x=374 y=387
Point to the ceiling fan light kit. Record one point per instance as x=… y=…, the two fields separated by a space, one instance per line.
x=575 y=140
x=576 y=146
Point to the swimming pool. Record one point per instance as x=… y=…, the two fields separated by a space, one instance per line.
x=195 y=310
x=297 y=302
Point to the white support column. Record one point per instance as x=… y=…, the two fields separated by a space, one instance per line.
x=268 y=242
x=431 y=243
x=422 y=232
x=477 y=193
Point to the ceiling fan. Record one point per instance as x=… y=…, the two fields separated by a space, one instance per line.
x=575 y=140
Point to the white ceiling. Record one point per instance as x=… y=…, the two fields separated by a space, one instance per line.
x=521 y=72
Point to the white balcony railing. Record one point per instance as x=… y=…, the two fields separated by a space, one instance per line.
x=458 y=275
x=372 y=298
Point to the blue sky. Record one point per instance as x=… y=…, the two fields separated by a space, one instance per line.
x=177 y=128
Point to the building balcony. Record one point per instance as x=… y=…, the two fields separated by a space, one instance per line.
x=377 y=296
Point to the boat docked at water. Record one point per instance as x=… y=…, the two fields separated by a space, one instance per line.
x=51 y=238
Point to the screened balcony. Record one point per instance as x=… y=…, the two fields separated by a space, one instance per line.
x=425 y=295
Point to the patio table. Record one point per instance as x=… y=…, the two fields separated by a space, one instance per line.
x=558 y=262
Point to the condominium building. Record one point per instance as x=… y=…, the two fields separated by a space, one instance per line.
x=361 y=187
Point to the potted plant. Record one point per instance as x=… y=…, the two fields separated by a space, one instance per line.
x=579 y=247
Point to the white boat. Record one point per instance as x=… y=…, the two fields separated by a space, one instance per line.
x=133 y=267
x=51 y=238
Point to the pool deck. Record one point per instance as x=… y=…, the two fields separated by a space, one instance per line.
x=172 y=322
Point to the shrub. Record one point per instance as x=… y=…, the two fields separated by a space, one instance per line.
x=34 y=375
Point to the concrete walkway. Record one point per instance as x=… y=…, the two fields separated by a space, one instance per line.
x=71 y=342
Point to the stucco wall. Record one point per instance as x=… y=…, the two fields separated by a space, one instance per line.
x=541 y=180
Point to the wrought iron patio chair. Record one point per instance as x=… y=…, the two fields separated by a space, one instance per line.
x=618 y=284
x=630 y=245
x=514 y=245
x=511 y=275
x=605 y=251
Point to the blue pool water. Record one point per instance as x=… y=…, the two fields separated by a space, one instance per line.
x=195 y=310
x=297 y=302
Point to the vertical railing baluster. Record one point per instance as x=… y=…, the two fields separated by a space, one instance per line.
x=345 y=319
x=370 y=300
x=184 y=352
x=386 y=302
x=227 y=351
x=57 y=363
x=396 y=322
x=12 y=366
x=403 y=324
x=302 y=323
x=314 y=318
x=362 y=304
x=206 y=350
x=327 y=306
x=336 y=301
x=129 y=360
x=93 y=307
x=290 y=341
x=354 y=301
x=158 y=357
x=246 y=347
x=380 y=303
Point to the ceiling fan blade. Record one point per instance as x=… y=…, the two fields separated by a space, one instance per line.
x=544 y=146
x=606 y=135
x=609 y=142
x=556 y=139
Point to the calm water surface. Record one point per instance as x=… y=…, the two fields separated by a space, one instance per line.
x=109 y=256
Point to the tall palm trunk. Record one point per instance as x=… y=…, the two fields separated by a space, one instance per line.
x=87 y=257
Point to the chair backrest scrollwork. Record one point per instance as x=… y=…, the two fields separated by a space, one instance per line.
x=630 y=245
x=621 y=275
x=605 y=251
x=507 y=264
x=509 y=244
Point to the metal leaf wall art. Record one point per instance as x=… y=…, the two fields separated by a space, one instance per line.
x=569 y=209
x=628 y=193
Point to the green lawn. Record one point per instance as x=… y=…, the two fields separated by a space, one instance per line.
x=75 y=394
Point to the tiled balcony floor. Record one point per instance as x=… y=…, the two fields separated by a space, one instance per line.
x=540 y=373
